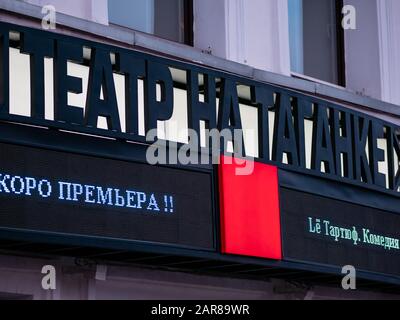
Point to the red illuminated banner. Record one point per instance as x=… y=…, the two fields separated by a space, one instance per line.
x=250 y=218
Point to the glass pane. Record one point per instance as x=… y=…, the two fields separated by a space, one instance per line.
x=169 y=20
x=313 y=38
x=164 y=18
x=296 y=35
x=133 y=14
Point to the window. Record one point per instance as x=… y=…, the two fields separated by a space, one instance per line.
x=317 y=40
x=168 y=19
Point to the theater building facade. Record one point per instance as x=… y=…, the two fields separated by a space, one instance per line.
x=187 y=149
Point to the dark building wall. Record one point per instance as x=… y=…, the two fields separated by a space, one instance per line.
x=21 y=277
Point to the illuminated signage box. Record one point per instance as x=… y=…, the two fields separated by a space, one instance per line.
x=62 y=174
x=333 y=232
x=56 y=192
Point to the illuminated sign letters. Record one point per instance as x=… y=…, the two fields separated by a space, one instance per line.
x=344 y=142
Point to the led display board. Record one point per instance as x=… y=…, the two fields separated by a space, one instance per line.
x=326 y=231
x=65 y=193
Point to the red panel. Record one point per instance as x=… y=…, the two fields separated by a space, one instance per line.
x=250 y=218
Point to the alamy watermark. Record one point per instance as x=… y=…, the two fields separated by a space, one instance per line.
x=349 y=21
x=49 y=19
x=349 y=280
x=168 y=152
x=49 y=278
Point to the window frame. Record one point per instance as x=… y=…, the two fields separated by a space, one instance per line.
x=340 y=44
x=188 y=17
